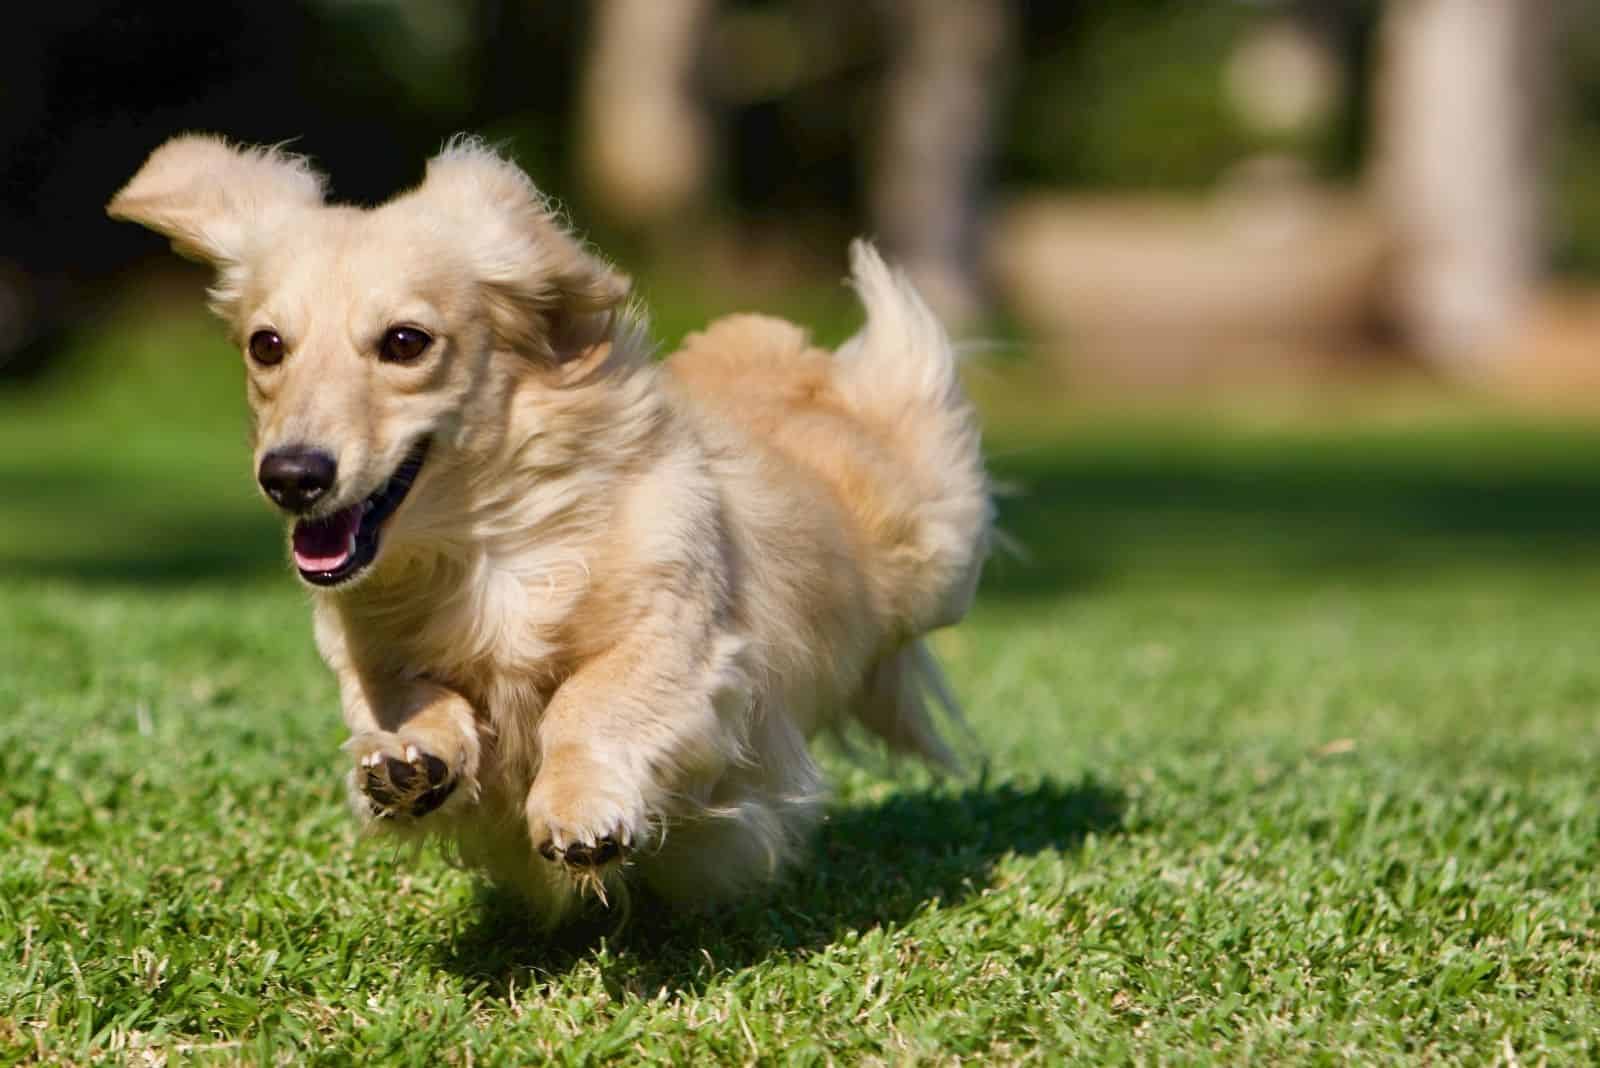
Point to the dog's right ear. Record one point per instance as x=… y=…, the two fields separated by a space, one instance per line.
x=211 y=198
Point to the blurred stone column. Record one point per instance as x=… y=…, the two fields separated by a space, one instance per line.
x=645 y=140
x=948 y=62
x=1461 y=124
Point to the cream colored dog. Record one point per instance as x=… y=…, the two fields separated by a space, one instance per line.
x=585 y=608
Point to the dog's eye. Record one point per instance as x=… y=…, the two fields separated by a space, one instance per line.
x=266 y=347
x=402 y=344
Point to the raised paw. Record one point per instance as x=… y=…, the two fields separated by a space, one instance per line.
x=401 y=779
x=583 y=819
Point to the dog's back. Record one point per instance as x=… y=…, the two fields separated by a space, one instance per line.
x=882 y=430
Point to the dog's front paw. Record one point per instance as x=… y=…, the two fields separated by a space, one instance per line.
x=397 y=777
x=582 y=822
x=577 y=854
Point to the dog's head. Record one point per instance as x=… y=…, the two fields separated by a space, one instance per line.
x=368 y=334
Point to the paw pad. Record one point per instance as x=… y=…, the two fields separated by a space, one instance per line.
x=413 y=786
x=580 y=855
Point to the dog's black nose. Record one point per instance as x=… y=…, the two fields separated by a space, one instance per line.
x=295 y=476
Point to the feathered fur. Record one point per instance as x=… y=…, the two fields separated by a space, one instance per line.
x=622 y=593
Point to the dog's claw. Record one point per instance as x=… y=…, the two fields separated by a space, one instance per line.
x=580 y=855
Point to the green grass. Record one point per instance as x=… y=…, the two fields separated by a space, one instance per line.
x=1291 y=748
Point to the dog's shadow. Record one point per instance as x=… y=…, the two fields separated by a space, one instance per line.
x=871 y=865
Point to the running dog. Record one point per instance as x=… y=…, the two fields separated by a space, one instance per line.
x=585 y=607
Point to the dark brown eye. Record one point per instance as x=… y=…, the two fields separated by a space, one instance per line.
x=266 y=347
x=403 y=344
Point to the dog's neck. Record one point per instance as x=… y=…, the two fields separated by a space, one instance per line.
x=499 y=545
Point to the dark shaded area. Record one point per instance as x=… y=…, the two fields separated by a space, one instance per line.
x=102 y=526
x=164 y=557
x=1181 y=514
x=872 y=865
x=1328 y=512
x=93 y=86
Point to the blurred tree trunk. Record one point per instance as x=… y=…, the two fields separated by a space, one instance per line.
x=644 y=139
x=948 y=59
x=1461 y=124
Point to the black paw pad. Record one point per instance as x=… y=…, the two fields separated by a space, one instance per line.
x=411 y=788
x=584 y=856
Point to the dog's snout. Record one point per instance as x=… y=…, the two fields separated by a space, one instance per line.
x=296 y=475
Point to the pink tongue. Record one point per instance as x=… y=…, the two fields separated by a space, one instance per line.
x=325 y=544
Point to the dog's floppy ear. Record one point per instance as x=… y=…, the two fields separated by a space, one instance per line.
x=210 y=197
x=548 y=295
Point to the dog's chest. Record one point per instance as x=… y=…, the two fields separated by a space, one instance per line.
x=486 y=632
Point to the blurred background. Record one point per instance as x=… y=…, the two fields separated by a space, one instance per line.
x=1137 y=214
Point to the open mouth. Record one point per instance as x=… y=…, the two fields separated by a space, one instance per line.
x=338 y=547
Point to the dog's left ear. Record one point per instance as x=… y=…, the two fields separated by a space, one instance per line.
x=548 y=295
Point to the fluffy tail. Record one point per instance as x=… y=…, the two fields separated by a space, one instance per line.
x=899 y=374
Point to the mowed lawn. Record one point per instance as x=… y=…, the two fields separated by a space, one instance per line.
x=1289 y=754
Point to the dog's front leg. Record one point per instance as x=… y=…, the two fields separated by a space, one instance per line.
x=633 y=735
x=414 y=747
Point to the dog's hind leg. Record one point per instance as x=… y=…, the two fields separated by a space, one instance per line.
x=756 y=820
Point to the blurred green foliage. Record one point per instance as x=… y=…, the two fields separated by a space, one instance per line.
x=1575 y=185
x=1137 y=98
